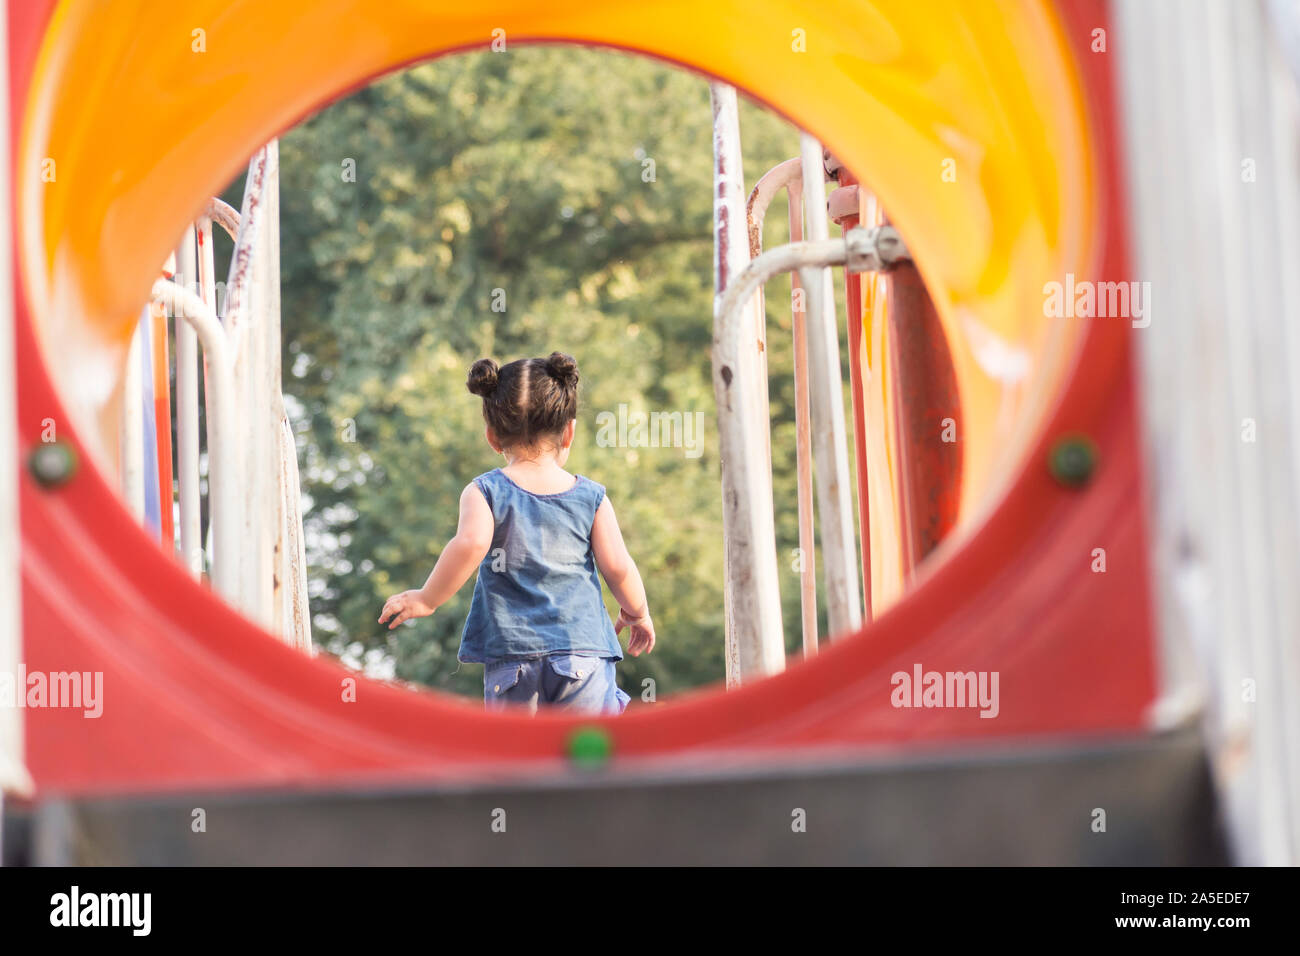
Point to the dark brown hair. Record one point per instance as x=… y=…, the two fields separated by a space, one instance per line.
x=528 y=399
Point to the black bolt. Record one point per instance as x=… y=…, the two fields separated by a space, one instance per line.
x=1072 y=460
x=52 y=463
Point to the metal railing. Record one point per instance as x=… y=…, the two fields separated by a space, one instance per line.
x=755 y=636
x=258 y=553
x=789 y=176
x=748 y=513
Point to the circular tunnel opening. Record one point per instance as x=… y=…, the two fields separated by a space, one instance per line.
x=1015 y=365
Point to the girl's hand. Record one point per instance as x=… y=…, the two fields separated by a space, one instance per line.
x=641 y=639
x=405 y=606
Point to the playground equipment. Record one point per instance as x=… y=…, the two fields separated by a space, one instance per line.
x=258 y=563
x=755 y=636
x=201 y=704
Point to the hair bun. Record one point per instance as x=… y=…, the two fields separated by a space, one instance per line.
x=482 y=377
x=563 y=368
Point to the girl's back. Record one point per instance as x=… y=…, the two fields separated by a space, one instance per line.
x=537 y=536
x=538 y=591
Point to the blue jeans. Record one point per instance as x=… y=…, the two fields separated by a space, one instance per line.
x=565 y=681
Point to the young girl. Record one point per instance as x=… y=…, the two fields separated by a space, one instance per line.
x=537 y=534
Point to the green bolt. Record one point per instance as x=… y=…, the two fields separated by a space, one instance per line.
x=1072 y=460
x=52 y=463
x=590 y=747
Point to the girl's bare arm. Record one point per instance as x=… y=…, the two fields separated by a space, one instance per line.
x=463 y=554
x=624 y=580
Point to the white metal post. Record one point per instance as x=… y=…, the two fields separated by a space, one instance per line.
x=830 y=437
x=274 y=419
x=288 y=552
x=130 y=445
x=187 y=413
x=206 y=269
x=1212 y=124
x=749 y=653
x=789 y=175
x=803 y=435
x=245 y=324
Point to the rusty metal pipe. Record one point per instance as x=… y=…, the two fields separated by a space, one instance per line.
x=788 y=175
x=925 y=395
x=747 y=511
x=834 y=505
x=223 y=475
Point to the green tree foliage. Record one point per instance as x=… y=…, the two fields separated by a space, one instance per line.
x=571 y=188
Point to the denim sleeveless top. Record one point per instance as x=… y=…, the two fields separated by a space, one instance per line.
x=537 y=590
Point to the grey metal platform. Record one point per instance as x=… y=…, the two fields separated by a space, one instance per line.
x=1021 y=806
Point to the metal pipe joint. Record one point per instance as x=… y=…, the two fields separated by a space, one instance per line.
x=874 y=249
